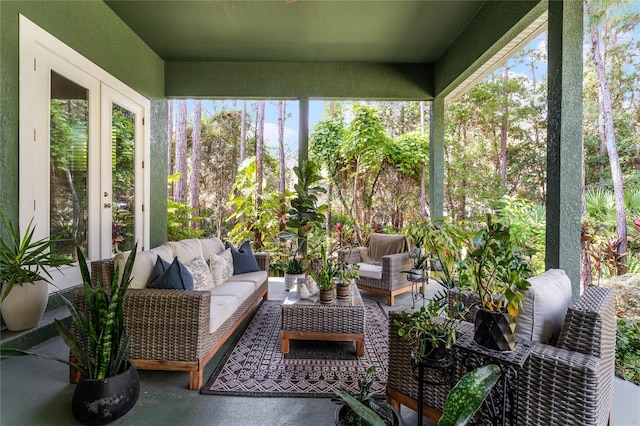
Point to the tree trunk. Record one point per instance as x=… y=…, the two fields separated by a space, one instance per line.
x=181 y=153
x=282 y=111
x=423 y=175
x=504 y=127
x=259 y=150
x=170 y=144
x=616 y=172
x=243 y=132
x=195 y=161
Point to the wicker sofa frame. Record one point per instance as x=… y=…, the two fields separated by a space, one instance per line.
x=170 y=328
x=570 y=383
x=393 y=281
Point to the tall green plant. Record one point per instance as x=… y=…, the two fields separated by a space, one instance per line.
x=495 y=268
x=305 y=214
x=99 y=343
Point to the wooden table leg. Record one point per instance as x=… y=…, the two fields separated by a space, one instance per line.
x=284 y=344
x=360 y=346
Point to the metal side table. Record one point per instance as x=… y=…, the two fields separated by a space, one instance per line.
x=501 y=406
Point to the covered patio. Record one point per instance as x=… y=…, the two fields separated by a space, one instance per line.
x=377 y=50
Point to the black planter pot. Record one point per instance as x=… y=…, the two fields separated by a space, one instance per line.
x=341 y=410
x=495 y=330
x=99 y=402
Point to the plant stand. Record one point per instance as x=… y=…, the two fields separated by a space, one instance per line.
x=443 y=367
x=501 y=406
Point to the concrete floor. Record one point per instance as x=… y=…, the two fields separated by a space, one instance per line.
x=35 y=391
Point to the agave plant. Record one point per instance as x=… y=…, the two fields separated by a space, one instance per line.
x=23 y=260
x=98 y=343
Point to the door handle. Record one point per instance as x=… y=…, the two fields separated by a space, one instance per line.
x=107 y=205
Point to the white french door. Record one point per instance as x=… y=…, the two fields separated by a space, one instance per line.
x=83 y=148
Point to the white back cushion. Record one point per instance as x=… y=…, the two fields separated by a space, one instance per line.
x=186 y=250
x=544 y=307
x=145 y=260
x=211 y=246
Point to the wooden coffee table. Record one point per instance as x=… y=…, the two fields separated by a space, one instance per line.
x=308 y=319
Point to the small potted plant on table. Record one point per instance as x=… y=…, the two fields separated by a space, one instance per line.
x=324 y=271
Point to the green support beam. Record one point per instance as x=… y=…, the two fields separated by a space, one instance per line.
x=303 y=131
x=436 y=159
x=564 y=139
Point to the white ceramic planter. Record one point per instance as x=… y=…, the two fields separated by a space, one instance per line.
x=24 y=306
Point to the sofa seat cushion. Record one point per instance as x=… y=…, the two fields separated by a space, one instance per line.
x=257 y=278
x=145 y=261
x=220 y=310
x=239 y=289
x=368 y=270
x=186 y=250
x=544 y=306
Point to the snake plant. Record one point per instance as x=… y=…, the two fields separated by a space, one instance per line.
x=98 y=342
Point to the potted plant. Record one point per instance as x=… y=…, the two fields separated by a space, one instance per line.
x=366 y=407
x=496 y=270
x=468 y=395
x=324 y=271
x=430 y=330
x=109 y=386
x=294 y=269
x=347 y=273
x=305 y=214
x=417 y=233
x=24 y=276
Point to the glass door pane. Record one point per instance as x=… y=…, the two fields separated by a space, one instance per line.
x=69 y=141
x=123 y=154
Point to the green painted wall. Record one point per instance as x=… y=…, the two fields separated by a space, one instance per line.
x=489 y=31
x=337 y=80
x=96 y=32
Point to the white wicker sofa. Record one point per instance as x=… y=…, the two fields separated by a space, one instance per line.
x=180 y=330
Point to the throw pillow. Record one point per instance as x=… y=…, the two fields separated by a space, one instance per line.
x=243 y=259
x=202 y=279
x=176 y=277
x=221 y=267
x=160 y=266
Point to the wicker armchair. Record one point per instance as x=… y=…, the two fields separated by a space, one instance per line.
x=169 y=329
x=392 y=281
x=570 y=383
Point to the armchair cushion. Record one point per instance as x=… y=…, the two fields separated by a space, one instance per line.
x=545 y=305
x=383 y=244
x=368 y=270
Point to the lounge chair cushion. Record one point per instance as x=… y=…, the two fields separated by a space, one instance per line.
x=544 y=307
x=368 y=270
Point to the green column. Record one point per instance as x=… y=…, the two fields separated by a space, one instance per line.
x=303 y=132
x=436 y=158
x=564 y=139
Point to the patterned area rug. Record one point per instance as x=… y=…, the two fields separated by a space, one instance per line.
x=254 y=366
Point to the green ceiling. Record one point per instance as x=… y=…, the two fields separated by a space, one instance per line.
x=300 y=31
x=351 y=49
